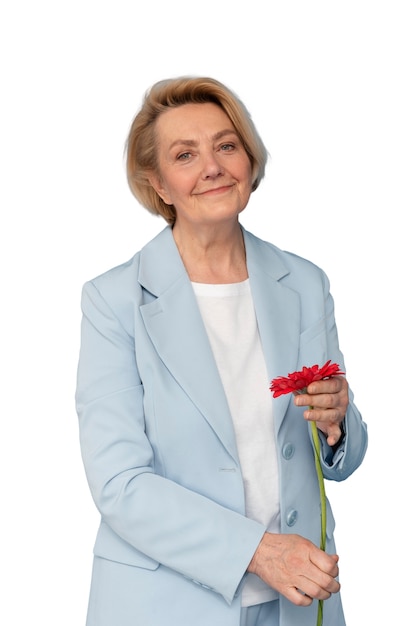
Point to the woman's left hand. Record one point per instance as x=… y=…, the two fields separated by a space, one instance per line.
x=327 y=401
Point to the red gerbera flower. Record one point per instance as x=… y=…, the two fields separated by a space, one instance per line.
x=298 y=381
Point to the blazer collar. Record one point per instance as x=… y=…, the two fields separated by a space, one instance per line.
x=161 y=265
x=174 y=324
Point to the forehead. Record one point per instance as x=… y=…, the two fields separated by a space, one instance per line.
x=188 y=121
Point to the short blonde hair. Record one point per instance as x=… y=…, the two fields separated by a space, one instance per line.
x=142 y=146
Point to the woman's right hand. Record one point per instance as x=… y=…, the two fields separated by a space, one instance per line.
x=296 y=568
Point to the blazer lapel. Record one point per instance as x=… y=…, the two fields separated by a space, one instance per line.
x=174 y=324
x=278 y=314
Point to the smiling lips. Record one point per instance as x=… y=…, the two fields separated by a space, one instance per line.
x=215 y=190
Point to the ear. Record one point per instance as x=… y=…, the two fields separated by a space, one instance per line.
x=158 y=186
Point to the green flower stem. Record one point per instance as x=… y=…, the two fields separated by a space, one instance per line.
x=321 y=484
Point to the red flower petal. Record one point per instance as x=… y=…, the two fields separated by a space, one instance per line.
x=299 y=380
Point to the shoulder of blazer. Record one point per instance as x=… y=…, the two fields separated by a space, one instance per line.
x=155 y=267
x=151 y=272
x=278 y=263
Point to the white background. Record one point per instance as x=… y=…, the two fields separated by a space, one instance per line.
x=332 y=88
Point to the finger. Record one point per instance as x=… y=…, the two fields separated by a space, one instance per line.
x=326 y=400
x=326 y=563
x=318 y=583
x=334 y=434
x=320 y=591
x=297 y=596
x=320 y=401
x=330 y=385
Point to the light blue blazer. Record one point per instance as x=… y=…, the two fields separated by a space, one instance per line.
x=158 y=442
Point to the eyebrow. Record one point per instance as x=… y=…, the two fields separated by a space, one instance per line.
x=215 y=137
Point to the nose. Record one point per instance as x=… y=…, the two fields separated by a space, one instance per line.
x=212 y=167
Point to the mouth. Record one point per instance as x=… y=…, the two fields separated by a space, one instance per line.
x=215 y=191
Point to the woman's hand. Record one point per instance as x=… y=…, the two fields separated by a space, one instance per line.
x=329 y=399
x=296 y=568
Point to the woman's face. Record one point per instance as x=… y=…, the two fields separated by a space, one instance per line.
x=204 y=170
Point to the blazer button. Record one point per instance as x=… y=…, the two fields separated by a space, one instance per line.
x=288 y=450
x=291 y=517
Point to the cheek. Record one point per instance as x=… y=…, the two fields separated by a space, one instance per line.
x=182 y=183
x=247 y=172
x=170 y=188
x=249 y=177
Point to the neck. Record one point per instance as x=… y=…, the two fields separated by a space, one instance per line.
x=215 y=256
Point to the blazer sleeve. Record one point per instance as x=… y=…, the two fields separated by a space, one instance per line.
x=179 y=528
x=338 y=463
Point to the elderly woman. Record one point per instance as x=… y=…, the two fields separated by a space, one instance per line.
x=205 y=484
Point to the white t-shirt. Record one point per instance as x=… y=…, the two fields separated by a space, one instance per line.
x=229 y=317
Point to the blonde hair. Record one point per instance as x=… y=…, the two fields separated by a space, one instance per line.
x=142 y=145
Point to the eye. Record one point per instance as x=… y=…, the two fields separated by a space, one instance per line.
x=184 y=156
x=227 y=147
